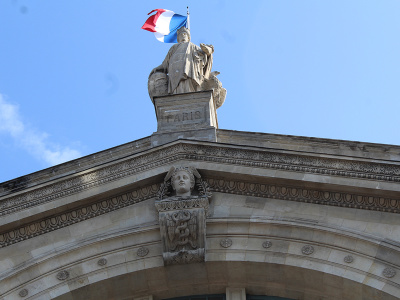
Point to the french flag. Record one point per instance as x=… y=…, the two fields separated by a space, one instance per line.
x=165 y=24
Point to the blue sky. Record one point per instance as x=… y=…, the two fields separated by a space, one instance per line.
x=73 y=74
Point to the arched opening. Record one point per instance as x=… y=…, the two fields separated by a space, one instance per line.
x=212 y=278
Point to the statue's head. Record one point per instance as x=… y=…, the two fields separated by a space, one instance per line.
x=182 y=181
x=183 y=35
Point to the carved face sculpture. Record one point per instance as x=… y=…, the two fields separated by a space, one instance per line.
x=181 y=183
x=183 y=36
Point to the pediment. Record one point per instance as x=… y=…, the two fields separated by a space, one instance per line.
x=232 y=169
x=269 y=206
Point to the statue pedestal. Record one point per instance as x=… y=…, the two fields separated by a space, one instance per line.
x=185 y=116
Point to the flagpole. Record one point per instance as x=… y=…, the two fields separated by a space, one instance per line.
x=188 y=18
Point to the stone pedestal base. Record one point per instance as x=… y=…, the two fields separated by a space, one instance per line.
x=204 y=134
x=185 y=116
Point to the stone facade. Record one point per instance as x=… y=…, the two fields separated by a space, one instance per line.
x=293 y=217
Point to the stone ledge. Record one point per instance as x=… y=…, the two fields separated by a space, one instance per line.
x=381 y=178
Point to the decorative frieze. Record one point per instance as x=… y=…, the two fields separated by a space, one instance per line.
x=142 y=251
x=182 y=215
x=102 y=262
x=267 y=244
x=307 y=249
x=23 y=293
x=389 y=272
x=301 y=194
x=267 y=159
x=348 y=259
x=62 y=275
x=179 y=203
x=77 y=215
x=225 y=243
x=204 y=186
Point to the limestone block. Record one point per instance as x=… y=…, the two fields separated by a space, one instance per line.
x=235 y=256
x=117 y=270
x=201 y=134
x=219 y=211
x=134 y=266
x=6 y=264
x=150 y=297
x=153 y=262
x=390 y=289
x=97 y=276
x=275 y=258
x=239 y=228
x=254 y=256
x=235 y=293
x=59 y=291
x=185 y=111
x=373 y=282
x=215 y=255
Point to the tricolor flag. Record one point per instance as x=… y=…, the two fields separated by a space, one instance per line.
x=164 y=24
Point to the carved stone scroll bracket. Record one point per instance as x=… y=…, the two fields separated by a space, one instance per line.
x=182 y=228
x=182 y=216
x=198 y=187
x=184 y=257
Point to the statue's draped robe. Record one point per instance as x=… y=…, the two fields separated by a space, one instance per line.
x=187 y=67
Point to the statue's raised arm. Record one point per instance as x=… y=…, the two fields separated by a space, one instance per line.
x=186 y=68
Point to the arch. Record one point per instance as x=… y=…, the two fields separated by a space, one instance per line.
x=213 y=278
x=132 y=265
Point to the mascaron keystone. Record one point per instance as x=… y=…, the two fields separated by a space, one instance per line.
x=183 y=205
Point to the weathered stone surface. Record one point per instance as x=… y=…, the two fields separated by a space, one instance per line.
x=235 y=294
x=185 y=112
x=272 y=195
x=202 y=134
x=189 y=70
x=182 y=217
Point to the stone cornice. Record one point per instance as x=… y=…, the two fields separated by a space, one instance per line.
x=74 y=166
x=76 y=215
x=301 y=194
x=274 y=191
x=267 y=140
x=205 y=152
x=312 y=144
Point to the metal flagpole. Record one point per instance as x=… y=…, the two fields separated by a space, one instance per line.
x=188 y=18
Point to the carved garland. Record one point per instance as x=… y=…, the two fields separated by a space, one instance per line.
x=296 y=162
x=216 y=185
x=180 y=203
x=245 y=157
x=77 y=215
x=304 y=195
x=90 y=180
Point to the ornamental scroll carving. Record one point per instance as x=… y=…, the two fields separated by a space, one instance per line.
x=183 y=201
x=216 y=154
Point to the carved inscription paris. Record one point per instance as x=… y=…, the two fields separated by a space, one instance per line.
x=173 y=114
x=183 y=116
x=182 y=206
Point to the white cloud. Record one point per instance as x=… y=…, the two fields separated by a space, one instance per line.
x=9 y=119
x=33 y=141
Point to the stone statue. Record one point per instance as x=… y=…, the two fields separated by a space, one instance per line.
x=182 y=181
x=182 y=215
x=185 y=69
